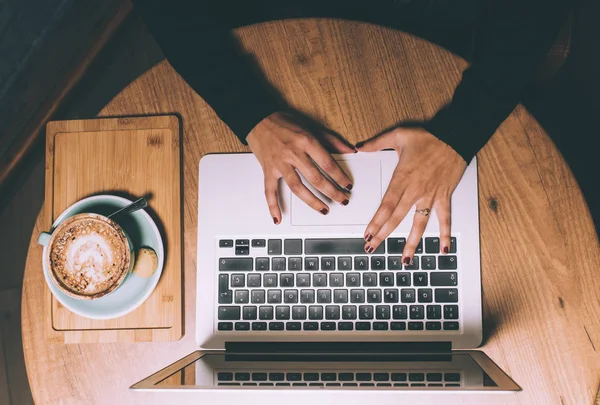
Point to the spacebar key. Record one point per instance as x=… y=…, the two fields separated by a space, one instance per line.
x=236 y=264
x=337 y=246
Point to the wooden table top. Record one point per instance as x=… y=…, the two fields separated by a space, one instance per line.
x=540 y=255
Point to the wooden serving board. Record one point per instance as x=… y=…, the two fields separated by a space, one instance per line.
x=131 y=157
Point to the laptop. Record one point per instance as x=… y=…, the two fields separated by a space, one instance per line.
x=301 y=306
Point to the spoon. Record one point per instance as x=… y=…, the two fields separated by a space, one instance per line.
x=134 y=206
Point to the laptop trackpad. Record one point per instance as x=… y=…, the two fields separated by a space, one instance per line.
x=364 y=198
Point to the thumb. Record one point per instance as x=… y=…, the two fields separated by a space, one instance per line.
x=386 y=140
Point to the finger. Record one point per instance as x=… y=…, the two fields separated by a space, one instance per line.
x=337 y=144
x=310 y=172
x=384 y=141
x=389 y=226
x=329 y=165
x=271 y=195
x=418 y=228
x=299 y=189
x=442 y=210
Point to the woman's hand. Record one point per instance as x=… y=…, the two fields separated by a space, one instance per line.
x=427 y=174
x=283 y=145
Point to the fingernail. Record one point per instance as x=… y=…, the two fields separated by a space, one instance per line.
x=370 y=249
x=360 y=144
x=406 y=260
x=275 y=220
x=368 y=237
x=324 y=211
x=445 y=249
x=345 y=202
x=349 y=186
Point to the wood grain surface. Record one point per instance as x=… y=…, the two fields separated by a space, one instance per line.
x=134 y=157
x=540 y=255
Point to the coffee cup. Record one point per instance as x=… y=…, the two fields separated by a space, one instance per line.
x=87 y=255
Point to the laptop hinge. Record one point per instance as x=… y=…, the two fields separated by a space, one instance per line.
x=355 y=348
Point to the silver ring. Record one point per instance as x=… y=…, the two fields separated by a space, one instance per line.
x=424 y=211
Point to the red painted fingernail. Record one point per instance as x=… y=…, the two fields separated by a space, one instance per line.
x=368 y=237
x=345 y=202
x=324 y=211
x=370 y=249
x=360 y=144
x=406 y=260
x=349 y=186
x=275 y=220
x=445 y=249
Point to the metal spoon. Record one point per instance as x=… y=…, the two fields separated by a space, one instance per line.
x=134 y=206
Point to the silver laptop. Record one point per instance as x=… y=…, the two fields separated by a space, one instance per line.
x=300 y=305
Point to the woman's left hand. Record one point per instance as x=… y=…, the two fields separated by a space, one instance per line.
x=427 y=173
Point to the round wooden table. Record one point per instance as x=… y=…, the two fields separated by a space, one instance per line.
x=540 y=257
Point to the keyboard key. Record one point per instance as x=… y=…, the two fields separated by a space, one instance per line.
x=450 y=311
x=394 y=263
x=344 y=263
x=386 y=279
x=369 y=279
x=242 y=242
x=390 y=295
x=380 y=326
x=432 y=245
x=292 y=247
x=242 y=250
x=348 y=246
x=290 y=296
x=346 y=376
x=315 y=312
x=332 y=312
x=396 y=245
x=293 y=326
x=242 y=326
x=399 y=376
x=254 y=280
x=311 y=326
x=258 y=243
x=327 y=325
x=276 y=376
x=416 y=377
x=307 y=296
x=259 y=326
x=363 y=377
x=363 y=325
x=242 y=297
x=259 y=376
x=242 y=376
x=282 y=313
x=311 y=263
x=278 y=263
x=417 y=312
x=265 y=313
x=433 y=325
x=324 y=296
x=452 y=377
x=357 y=296
x=352 y=280
x=225 y=326
x=231 y=313
x=249 y=313
x=345 y=326
x=365 y=312
x=446 y=295
x=434 y=312
x=258 y=296
x=450 y=325
x=420 y=279
x=262 y=264
x=336 y=280
x=294 y=376
x=399 y=312
x=294 y=263
x=328 y=377
x=226 y=243
x=274 y=247
x=403 y=279
x=453 y=245
x=302 y=280
x=311 y=376
x=428 y=262
x=434 y=377
x=407 y=295
x=361 y=263
x=419 y=248
x=382 y=312
x=340 y=296
x=225 y=376
x=425 y=295
x=299 y=312
x=225 y=294
x=414 y=265
x=377 y=263
x=447 y=262
x=236 y=264
x=327 y=263
x=349 y=312
x=373 y=296
x=398 y=325
x=381 y=376
x=320 y=280
x=444 y=279
x=415 y=326
x=270 y=280
x=274 y=296
x=452 y=385
x=286 y=280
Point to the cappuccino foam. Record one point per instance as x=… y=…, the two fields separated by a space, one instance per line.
x=89 y=256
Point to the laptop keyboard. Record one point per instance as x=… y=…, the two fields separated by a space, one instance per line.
x=414 y=378
x=331 y=284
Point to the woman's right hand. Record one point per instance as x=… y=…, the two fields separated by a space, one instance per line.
x=285 y=147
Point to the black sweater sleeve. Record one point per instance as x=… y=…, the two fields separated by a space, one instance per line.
x=205 y=53
x=512 y=45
